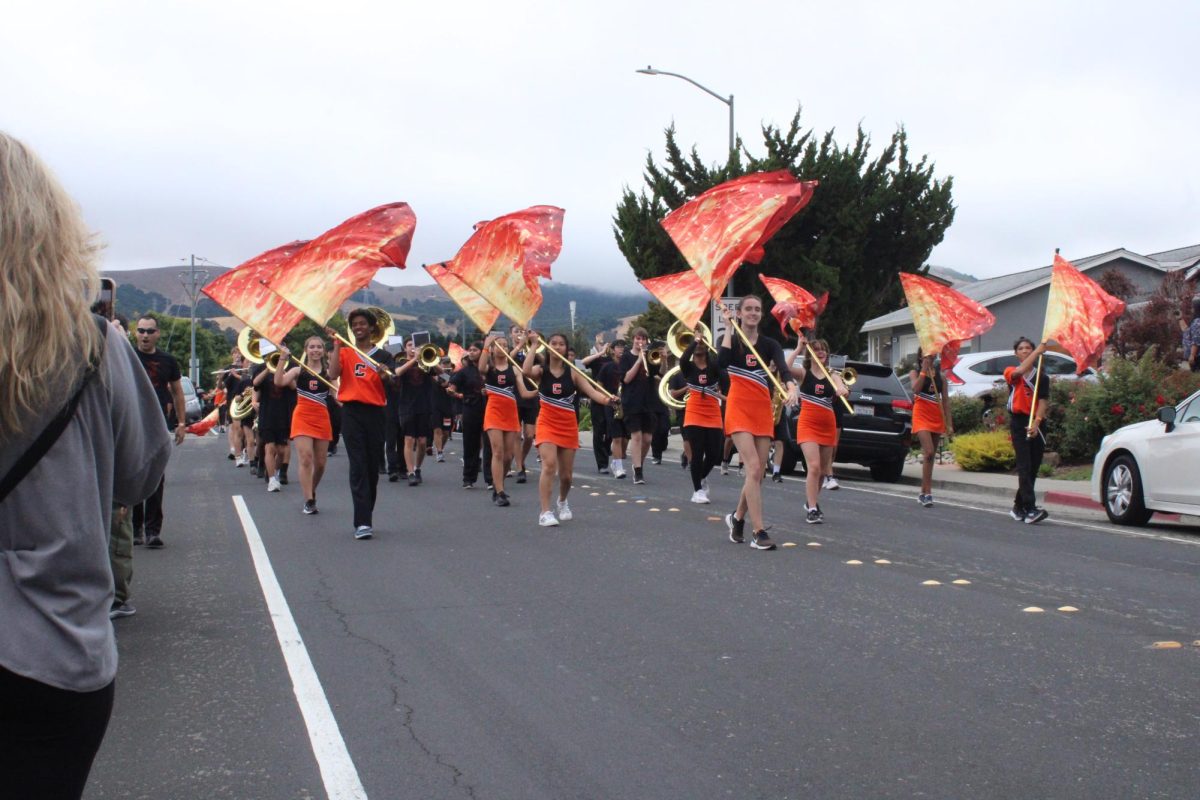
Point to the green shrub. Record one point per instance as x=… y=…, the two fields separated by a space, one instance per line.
x=966 y=413
x=585 y=417
x=1045 y=471
x=990 y=451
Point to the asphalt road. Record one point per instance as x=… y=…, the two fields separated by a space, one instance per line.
x=635 y=652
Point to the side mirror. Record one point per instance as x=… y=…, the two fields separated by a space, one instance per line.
x=1166 y=415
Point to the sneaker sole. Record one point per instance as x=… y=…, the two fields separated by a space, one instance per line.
x=364 y=535
x=758 y=546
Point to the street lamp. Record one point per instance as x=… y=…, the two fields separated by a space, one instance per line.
x=726 y=100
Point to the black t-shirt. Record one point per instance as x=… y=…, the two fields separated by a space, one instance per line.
x=610 y=377
x=416 y=391
x=523 y=402
x=636 y=394
x=163 y=370
x=275 y=403
x=469 y=383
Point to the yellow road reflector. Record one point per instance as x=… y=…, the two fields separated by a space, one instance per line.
x=610 y=494
x=1196 y=643
x=793 y=544
x=1032 y=610
x=814 y=544
x=595 y=494
x=1166 y=645
x=961 y=582
x=882 y=561
x=931 y=583
x=714 y=519
x=672 y=509
x=639 y=501
x=1067 y=609
x=619 y=502
x=655 y=509
x=854 y=562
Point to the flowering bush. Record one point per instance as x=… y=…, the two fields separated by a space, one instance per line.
x=989 y=451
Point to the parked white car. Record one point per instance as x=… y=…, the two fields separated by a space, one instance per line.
x=1151 y=466
x=977 y=374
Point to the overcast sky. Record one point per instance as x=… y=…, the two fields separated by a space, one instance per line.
x=226 y=128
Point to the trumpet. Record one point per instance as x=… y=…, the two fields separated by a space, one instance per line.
x=428 y=357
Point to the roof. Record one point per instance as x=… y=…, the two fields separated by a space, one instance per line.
x=994 y=290
x=1181 y=257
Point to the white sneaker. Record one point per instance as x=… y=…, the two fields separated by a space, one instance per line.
x=724 y=468
x=700 y=496
x=547 y=520
x=441 y=458
x=564 y=511
x=829 y=482
x=620 y=473
x=273 y=484
x=241 y=461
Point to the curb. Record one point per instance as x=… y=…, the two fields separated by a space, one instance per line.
x=1084 y=501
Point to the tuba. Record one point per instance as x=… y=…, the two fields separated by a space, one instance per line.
x=242 y=405
x=679 y=337
x=664 y=390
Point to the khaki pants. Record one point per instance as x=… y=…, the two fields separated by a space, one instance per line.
x=120 y=551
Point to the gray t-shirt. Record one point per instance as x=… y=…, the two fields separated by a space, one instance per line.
x=55 y=580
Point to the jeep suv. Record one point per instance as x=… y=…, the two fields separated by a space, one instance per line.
x=879 y=432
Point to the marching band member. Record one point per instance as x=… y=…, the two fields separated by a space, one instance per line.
x=501 y=423
x=640 y=421
x=660 y=437
x=311 y=430
x=557 y=426
x=618 y=434
x=702 y=425
x=466 y=386
x=931 y=418
x=275 y=405
x=1023 y=417
x=817 y=426
x=748 y=416
x=527 y=409
x=416 y=410
x=361 y=392
x=595 y=362
x=231 y=382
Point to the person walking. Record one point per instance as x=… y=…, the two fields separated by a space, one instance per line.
x=310 y=430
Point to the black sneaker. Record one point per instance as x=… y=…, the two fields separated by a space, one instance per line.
x=412 y=479
x=683 y=462
x=231 y=457
x=468 y=484
x=393 y=477
x=655 y=459
x=153 y=542
x=926 y=500
x=637 y=475
x=1035 y=516
x=736 y=527
x=139 y=538
x=603 y=470
x=522 y=477
x=760 y=541
x=777 y=477
x=814 y=516
x=332 y=450
x=118 y=610
x=310 y=507
x=500 y=499
x=492 y=489
x=1017 y=514
x=283 y=477
x=363 y=532
x=420 y=480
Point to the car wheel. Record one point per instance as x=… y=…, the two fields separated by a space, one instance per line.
x=1123 y=499
x=887 y=471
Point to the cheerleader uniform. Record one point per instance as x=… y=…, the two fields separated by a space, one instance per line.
x=818 y=420
x=310 y=417
x=702 y=425
x=556 y=422
x=927 y=409
x=748 y=403
x=500 y=386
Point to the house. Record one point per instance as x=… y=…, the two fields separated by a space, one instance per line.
x=1018 y=301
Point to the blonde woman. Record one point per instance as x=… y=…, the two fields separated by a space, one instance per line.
x=72 y=392
x=311 y=430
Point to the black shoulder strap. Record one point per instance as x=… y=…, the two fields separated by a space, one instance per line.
x=50 y=434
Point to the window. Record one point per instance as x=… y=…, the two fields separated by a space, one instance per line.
x=1058 y=365
x=995 y=366
x=1191 y=412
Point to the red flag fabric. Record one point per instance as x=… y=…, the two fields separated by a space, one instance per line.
x=683 y=294
x=344 y=259
x=456 y=354
x=505 y=257
x=241 y=292
x=1080 y=315
x=944 y=318
x=794 y=306
x=202 y=427
x=481 y=312
x=729 y=224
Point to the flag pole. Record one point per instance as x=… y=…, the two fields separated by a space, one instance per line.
x=583 y=374
x=824 y=373
x=1037 y=380
x=746 y=341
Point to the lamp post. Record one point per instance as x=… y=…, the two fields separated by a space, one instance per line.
x=726 y=100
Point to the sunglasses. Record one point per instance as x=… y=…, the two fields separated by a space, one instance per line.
x=147 y=330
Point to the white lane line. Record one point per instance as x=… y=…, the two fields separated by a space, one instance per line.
x=1161 y=537
x=333 y=759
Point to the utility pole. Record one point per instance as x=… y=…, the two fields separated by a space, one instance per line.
x=192 y=280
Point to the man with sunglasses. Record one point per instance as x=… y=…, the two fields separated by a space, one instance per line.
x=165 y=377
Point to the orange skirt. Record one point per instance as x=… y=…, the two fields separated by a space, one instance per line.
x=501 y=414
x=557 y=426
x=816 y=424
x=311 y=419
x=748 y=408
x=927 y=416
x=702 y=411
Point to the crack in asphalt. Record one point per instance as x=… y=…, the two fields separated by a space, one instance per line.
x=324 y=596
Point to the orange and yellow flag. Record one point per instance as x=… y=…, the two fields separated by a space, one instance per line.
x=1080 y=315
x=243 y=294
x=944 y=318
x=795 y=306
x=481 y=312
x=683 y=294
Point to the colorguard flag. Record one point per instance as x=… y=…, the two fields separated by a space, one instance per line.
x=202 y=427
x=242 y=293
x=504 y=258
x=683 y=294
x=456 y=353
x=343 y=260
x=794 y=306
x=481 y=312
x=729 y=224
x=1080 y=315
x=944 y=318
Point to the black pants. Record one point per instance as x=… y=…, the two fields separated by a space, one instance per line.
x=392 y=438
x=48 y=737
x=601 y=442
x=335 y=420
x=148 y=515
x=706 y=451
x=662 y=432
x=1029 y=460
x=472 y=434
x=362 y=429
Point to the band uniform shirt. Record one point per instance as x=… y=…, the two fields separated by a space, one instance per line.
x=469 y=383
x=1020 y=390
x=359 y=382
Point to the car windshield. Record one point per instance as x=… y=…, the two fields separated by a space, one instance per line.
x=188 y=389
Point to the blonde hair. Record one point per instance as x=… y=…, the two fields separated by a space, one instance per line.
x=48 y=279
